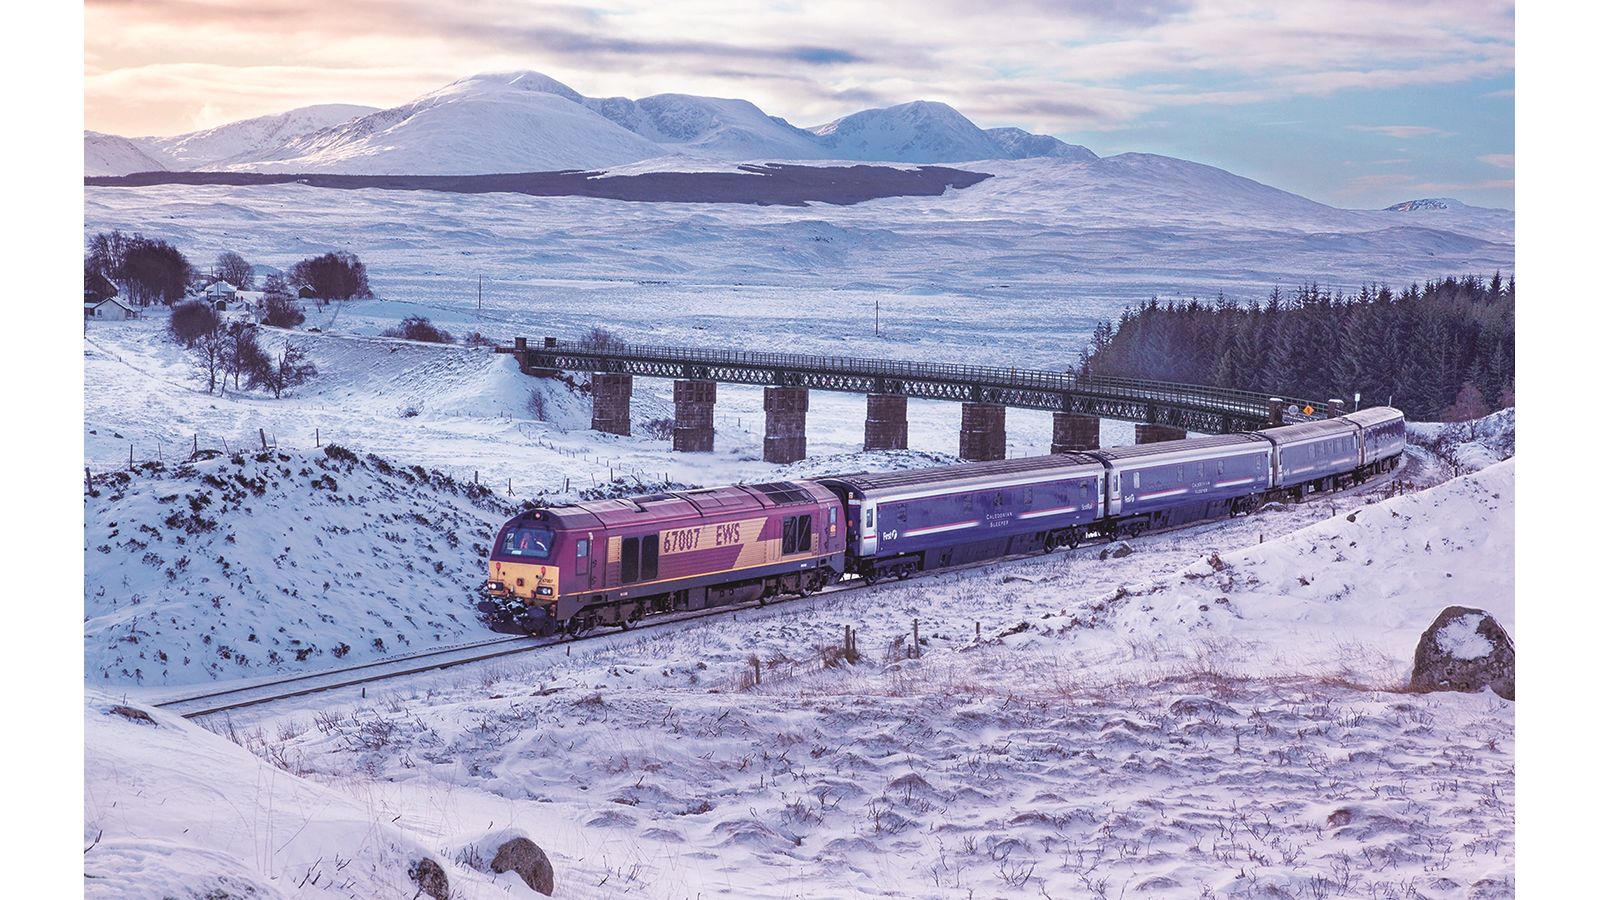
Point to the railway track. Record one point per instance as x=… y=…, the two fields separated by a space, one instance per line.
x=197 y=706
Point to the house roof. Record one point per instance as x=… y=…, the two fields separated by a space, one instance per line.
x=92 y=305
x=222 y=287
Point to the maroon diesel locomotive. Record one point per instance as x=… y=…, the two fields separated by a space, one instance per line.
x=610 y=562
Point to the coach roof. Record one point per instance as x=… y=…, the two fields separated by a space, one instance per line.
x=997 y=469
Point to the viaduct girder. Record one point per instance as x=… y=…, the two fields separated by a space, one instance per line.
x=1190 y=407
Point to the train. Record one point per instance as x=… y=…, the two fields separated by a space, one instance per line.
x=568 y=569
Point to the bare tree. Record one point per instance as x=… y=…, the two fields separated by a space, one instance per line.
x=242 y=356
x=291 y=369
x=208 y=353
x=232 y=268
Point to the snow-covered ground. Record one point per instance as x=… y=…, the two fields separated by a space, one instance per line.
x=1215 y=713
x=1218 y=713
x=1016 y=270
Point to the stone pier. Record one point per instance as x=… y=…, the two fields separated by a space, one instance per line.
x=613 y=395
x=694 y=403
x=886 y=422
x=983 y=431
x=1071 y=432
x=786 y=424
x=1275 y=411
x=1144 y=433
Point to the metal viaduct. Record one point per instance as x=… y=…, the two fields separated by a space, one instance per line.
x=1163 y=410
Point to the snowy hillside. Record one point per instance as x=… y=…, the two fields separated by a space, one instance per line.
x=108 y=154
x=238 y=566
x=172 y=810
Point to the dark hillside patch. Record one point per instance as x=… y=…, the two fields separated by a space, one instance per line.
x=774 y=184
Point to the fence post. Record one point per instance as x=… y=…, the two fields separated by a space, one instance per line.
x=319 y=436
x=263 y=433
x=130 y=457
x=977 y=632
x=757 y=661
x=916 y=641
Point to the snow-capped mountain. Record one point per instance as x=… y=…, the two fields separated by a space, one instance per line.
x=249 y=138
x=1019 y=144
x=525 y=121
x=521 y=122
x=710 y=127
x=921 y=131
x=1452 y=214
x=108 y=154
x=1426 y=203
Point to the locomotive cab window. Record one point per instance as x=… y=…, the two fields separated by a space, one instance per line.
x=869 y=518
x=532 y=543
x=583 y=548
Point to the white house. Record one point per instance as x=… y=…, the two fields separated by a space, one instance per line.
x=110 y=309
x=220 y=294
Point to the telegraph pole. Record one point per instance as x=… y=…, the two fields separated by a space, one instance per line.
x=875 y=307
x=480 y=296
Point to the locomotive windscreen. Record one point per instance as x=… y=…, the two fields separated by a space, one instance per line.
x=532 y=543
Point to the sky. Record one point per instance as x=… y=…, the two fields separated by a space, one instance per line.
x=1358 y=103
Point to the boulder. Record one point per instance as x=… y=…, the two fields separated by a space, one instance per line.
x=1117 y=551
x=1466 y=650
x=430 y=878
x=524 y=857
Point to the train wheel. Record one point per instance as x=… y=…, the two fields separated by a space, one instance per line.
x=1074 y=538
x=1050 y=543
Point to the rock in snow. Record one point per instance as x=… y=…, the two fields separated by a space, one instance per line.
x=1465 y=649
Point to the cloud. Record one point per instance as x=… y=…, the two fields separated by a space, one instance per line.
x=1053 y=65
x=1499 y=160
x=1404 y=132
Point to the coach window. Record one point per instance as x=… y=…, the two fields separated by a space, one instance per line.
x=1135 y=480
x=1027 y=497
x=630 y=560
x=649 y=555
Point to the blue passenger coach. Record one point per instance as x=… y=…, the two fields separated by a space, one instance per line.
x=1157 y=485
x=1314 y=454
x=1383 y=437
x=898 y=523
